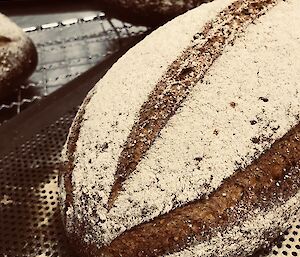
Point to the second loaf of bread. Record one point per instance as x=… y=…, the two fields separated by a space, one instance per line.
x=149 y=12
x=18 y=56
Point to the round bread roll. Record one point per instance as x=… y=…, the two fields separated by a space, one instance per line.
x=148 y=12
x=18 y=56
x=190 y=145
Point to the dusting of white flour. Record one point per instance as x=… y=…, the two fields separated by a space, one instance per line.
x=250 y=92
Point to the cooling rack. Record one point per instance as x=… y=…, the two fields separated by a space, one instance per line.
x=66 y=49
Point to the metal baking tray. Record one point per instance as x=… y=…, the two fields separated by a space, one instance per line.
x=31 y=143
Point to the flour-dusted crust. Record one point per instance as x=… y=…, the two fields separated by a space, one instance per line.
x=193 y=146
x=18 y=56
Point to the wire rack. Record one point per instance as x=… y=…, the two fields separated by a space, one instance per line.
x=66 y=49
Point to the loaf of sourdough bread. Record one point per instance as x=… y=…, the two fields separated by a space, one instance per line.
x=18 y=56
x=190 y=145
x=148 y=12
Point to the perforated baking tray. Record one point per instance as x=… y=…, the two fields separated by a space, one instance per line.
x=30 y=147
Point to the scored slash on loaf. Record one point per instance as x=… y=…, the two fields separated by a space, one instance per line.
x=191 y=148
